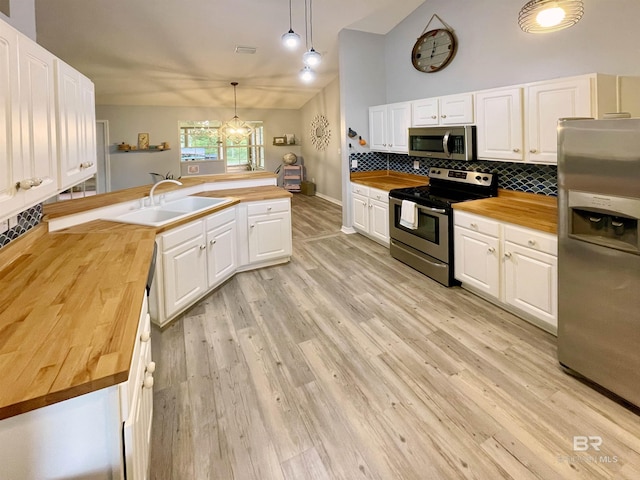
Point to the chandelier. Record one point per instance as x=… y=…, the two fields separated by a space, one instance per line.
x=542 y=16
x=235 y=129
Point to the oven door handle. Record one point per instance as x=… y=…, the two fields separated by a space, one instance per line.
x=445 y=143
x=431 y=209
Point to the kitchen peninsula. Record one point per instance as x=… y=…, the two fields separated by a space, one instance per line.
x=75 y=323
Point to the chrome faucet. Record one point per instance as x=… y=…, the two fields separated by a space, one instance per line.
x=151 y=200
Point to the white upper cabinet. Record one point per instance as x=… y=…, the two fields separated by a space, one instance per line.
x=499 y=124
x=447 y=110
x=519 y=123
x=388 y=127
x=76 y=125
x=10 y=161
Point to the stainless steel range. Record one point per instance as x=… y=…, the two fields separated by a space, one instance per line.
x=421 y=219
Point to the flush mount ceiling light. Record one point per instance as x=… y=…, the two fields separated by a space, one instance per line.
x=542 y=16
x=311 y=58
x=291 y=39
x=235 y=129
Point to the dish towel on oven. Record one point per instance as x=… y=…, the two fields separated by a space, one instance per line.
x=409 y=215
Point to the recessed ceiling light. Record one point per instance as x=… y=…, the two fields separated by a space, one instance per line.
x=245 y=49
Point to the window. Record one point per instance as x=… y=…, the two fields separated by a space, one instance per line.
x=201 y=141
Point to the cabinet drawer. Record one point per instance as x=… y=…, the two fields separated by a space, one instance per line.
x=360 y=189
x=376 y=194
x=533 y=239
x=261 y=208
x=476 y=223
x=181 y=234
x=221 y=218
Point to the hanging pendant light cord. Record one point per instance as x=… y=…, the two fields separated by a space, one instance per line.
x=311 y=23
x=235 y=104
x=306 y=26
x=290 y=21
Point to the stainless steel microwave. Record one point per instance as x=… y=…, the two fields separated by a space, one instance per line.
x=454 y=143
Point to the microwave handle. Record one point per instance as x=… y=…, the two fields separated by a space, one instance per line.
x=445 y=143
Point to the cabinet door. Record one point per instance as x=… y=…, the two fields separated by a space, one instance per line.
x=10 y=163
x=379 y=219
x=185 y=272
x=399 y=117
x=37 y=96
x=269 y=236
x=221 y=254
x=476 y=260
x=76 y=125
x=378 y=128
x=456 y=109
x=547 y=103
x=425 y=112
x=500 y=124
x=360 y=206
x=531 y=282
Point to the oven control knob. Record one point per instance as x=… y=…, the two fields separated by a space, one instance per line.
x=478 y=177
x=485 y=179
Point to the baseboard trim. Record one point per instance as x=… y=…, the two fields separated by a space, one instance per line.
x=329 y=199
x=348 y=230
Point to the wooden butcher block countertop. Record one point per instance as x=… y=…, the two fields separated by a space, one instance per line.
x=70 y=306
x=70 y=303
x=387 y=180
x=539 y=212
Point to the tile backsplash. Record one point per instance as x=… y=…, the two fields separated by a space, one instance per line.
x=541 y=179
x=16 y=226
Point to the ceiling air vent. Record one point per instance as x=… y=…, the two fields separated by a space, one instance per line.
x=244 y=49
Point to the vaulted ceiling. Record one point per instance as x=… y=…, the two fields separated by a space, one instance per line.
x=182 y=52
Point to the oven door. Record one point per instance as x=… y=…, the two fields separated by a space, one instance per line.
x=430 y=237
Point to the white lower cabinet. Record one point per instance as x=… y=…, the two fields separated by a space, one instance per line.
x=197 y=257
x=513 y=266
x=269 y=231
x=102 y=435
x=371 y=212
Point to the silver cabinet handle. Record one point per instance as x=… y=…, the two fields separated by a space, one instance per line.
x=434 y=117
x=474 y=225
x=491 y=250
x=531 y=242
x=516 y=150
x=507 y=255
x=202 y=247
x=212 y=242
x=443 y=116
x=533 y=150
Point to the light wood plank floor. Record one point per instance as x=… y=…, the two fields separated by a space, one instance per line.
x=346 y=364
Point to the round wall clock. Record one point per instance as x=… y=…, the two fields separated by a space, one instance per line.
x=434 y=50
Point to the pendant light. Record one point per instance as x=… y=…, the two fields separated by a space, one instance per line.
x=307 y=75
x=291 y=39
x=235 y=129
x=311 y=58
x=542 y=16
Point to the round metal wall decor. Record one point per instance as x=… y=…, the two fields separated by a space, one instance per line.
x=320 y=132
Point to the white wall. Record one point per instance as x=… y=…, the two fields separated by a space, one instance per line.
x=22 y=17
x=133 y=168
x=324 y=166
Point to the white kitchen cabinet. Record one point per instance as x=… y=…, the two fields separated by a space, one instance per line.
x=102 y=435
x=477 y=253
x=222 y=241
x=513 y=266
x=519 y=123
x=446 y=110
x=184 y=266
x=388 y=127
x=499 y=124
x=531 y=273
x=76 y=125
x=269 y=230
x=371 y=212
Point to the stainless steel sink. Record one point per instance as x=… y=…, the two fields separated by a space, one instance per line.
x=172 y=211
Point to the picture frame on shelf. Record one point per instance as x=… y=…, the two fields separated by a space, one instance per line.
x=279 y=140
x=143 y=141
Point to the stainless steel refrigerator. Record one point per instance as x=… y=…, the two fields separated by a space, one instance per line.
x=599 y=252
